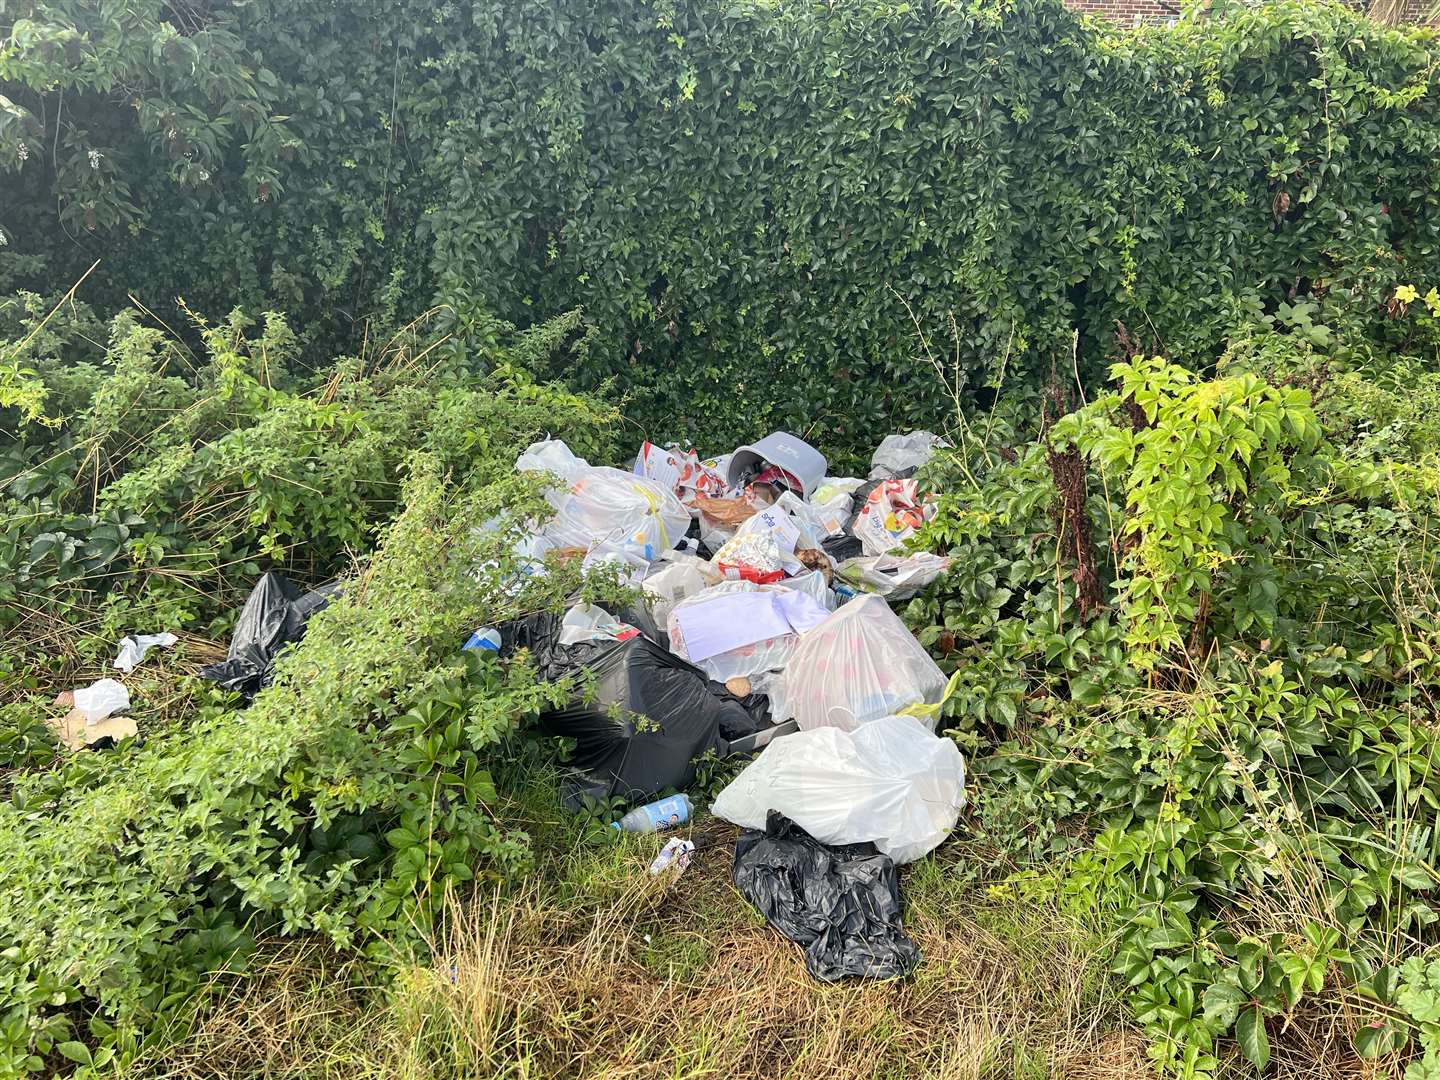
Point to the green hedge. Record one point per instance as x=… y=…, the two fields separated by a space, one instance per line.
x=749 y=199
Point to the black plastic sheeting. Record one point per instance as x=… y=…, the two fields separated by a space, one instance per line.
x=841 y=904
x=640 y=714
x=273 y=617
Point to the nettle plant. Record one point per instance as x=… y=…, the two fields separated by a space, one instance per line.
x=1239 y=730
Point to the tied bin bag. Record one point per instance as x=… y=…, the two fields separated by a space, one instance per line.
x=840 y=904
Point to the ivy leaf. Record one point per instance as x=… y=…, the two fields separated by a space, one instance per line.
x=1085 y=692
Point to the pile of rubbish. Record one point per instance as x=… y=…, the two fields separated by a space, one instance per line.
x=766 y=627
x=765 y=630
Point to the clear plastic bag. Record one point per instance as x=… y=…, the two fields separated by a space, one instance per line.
x=551 y=455
x=812 y=585
x=899 y=456
x=674 y=579
x=608 y=509
x=890 y=516
x=587 y=622
x=101 y=698
x=833 y=502
x=891 y=781
x=860 y=664
x=895 y=577
x=606 y=512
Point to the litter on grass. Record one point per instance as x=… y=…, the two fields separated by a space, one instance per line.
x=768 y=629
x=891 y=782
x=102 y=698
x=273 y=618
x=134 y=649
x=92 y=720
x=841 y=904
x=673 y=856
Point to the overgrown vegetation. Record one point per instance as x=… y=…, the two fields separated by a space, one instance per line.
x=1231 y=759
x=353 y=793
x=1192 y=607
x=736 y=194
x=589 y=967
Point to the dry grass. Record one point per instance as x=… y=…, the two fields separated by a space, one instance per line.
x=606 y=973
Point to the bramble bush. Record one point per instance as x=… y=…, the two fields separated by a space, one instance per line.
x=743 y=198
x=354 y=792
x=161 y=483
x=1230 y=757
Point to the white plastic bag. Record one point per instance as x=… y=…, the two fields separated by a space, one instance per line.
x=891 y=781
x=833 y=500
x=133 y=649
x=812 y=585
x=101 y=698
x=901 y=455
x=860 y=664
x=551 y=455
x=772 y=685
x=607 y=508
x=794 y=525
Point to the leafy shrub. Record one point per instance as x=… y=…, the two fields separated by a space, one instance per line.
x=354 y=792
x=164 y=484
x=1232 y=758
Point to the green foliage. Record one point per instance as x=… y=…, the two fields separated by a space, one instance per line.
x=1242 y=732
x=357 y=790
x=1205 y=455
x=746 y=199
x=168 y=481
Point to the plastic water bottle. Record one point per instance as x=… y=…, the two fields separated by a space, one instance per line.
x=663 y=813
x=486 y=638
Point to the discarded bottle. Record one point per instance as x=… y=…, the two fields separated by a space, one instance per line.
x=663 y=813
x=486 y=638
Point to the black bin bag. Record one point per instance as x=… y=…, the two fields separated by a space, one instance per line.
x=840 y=904
x=641 y=718
x=640 y=714
x=273 y=617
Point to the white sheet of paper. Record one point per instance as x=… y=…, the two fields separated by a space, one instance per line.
x=729 y=622
x=801 y=610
